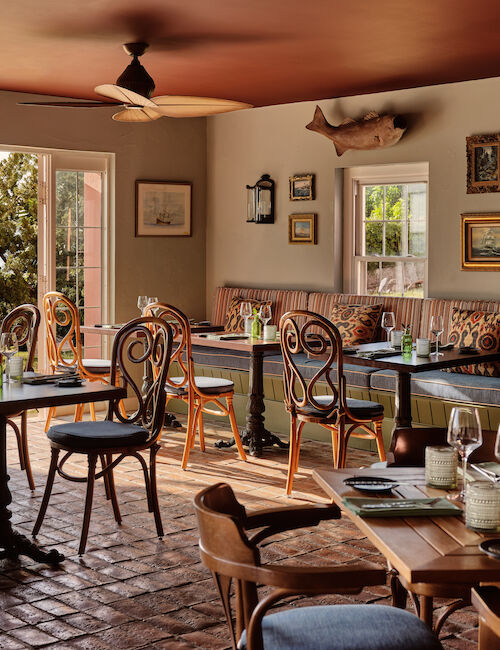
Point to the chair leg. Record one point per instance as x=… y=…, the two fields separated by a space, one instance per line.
x=112 y=491
x=342 y=450
x=121 y=406
x=92 y=411
x=20 y=450
x=79 y=412
x=154 y=492
x=48 y=490
x=105 y=476
x=299 y=436
x=291 y=455
x=335 y=446
x=92 y=460
x=379 y=439
x=234 y=427
x=50 y=414
x=201 y=432
x=190 y=436
x=26 y=454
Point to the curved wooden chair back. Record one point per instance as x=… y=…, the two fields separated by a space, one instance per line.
x=64 y=346
x=181 y=349
x=303 y=331
x=143 y=339
x=24 y=321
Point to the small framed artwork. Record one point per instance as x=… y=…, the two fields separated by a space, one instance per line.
x=302 y=187
x=302 y=229
x=162 y=209
x=481 y=242
x=483 y=160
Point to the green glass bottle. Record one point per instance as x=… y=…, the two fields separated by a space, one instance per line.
x=407 y=341
x=256 y=325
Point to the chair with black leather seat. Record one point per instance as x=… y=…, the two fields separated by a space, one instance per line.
x=304 y=331
x=24 y=322
x=135 y=343
x=64 y=347
x=198 y=392
x=229 y=548
x=486 y=600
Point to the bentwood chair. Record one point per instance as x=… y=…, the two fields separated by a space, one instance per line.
x=24 y=322
x=201 y=394
x=64 y=347
x=135 y=343
x=230 y=549
x=306 y=332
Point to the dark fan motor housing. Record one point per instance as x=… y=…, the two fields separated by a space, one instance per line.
x=135 y=77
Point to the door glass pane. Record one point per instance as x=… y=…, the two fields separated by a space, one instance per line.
x=79 y=243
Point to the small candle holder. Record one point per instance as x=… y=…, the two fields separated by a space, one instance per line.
x=441 y=467
x=423 y=348
x=482 y=506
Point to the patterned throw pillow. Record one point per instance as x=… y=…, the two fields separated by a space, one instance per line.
x=234 y=322
x=356 y=323
x=479 y=329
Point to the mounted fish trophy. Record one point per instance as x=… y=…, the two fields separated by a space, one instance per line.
x=372 y=132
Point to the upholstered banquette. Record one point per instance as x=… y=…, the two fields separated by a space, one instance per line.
x=433 y=393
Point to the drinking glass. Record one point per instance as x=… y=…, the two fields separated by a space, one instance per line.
x=497 y=445
x=388 y=323
x=437 y=330
x=142 y=301
x=8 y=347
x=464 y=433
x=265 y=314
x=246 y=313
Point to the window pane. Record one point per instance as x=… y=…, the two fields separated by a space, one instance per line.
x=417 y=212
x=374 y=238
x=372 y=277
x=394 y=202
x=374 y=202
x=414 y=279
x=393 y=238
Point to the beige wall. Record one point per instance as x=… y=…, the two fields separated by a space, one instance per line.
x=242 y=146
x=172 y=268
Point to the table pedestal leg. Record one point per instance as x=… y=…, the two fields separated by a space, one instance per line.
x=402 y=418
x=255 y=436
x=12 y=543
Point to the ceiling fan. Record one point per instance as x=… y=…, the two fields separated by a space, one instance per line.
x=133 y=90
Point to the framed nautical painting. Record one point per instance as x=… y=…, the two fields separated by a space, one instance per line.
x=481 y=242
x=162 y=209
x=483 y=163
x=301 y=187
x=302 y=229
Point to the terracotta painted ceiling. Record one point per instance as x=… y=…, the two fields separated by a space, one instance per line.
x=257 y=51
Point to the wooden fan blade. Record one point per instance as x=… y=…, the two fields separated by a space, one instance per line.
x=189 y=106
x=136 y=115
x=88 y=104
x=123 y=95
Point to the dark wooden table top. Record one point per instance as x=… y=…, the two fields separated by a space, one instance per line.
x=450 y=359
x=111 y=330
x=244 y=345
x=18 y=397
x=432 y=550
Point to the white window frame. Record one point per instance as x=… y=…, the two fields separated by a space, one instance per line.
x=50 y=161
x=354 y=179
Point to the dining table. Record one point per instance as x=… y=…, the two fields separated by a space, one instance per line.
x=407 y=364
x=255 y=435
x=16 y=397
x=429 y=556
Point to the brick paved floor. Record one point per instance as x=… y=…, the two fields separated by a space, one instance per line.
x=131 y=590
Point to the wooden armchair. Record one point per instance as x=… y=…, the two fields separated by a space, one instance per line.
x=24 y=321
x=229 y=548
x=304 y=331
x=487 y=602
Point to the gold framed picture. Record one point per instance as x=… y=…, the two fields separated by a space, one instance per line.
x=302 y=187
x=481 y=242
x=162 y=209
x=483 y=163
x=302 y=229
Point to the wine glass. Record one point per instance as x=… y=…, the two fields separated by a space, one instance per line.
x=246 y=313
x=265 y=314
x=464 y=433
x=388 y=323
x=8 y=347
x=152 y=299
x=437 y=330
x=142 y=302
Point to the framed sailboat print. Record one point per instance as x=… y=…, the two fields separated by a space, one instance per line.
x=162 y=208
